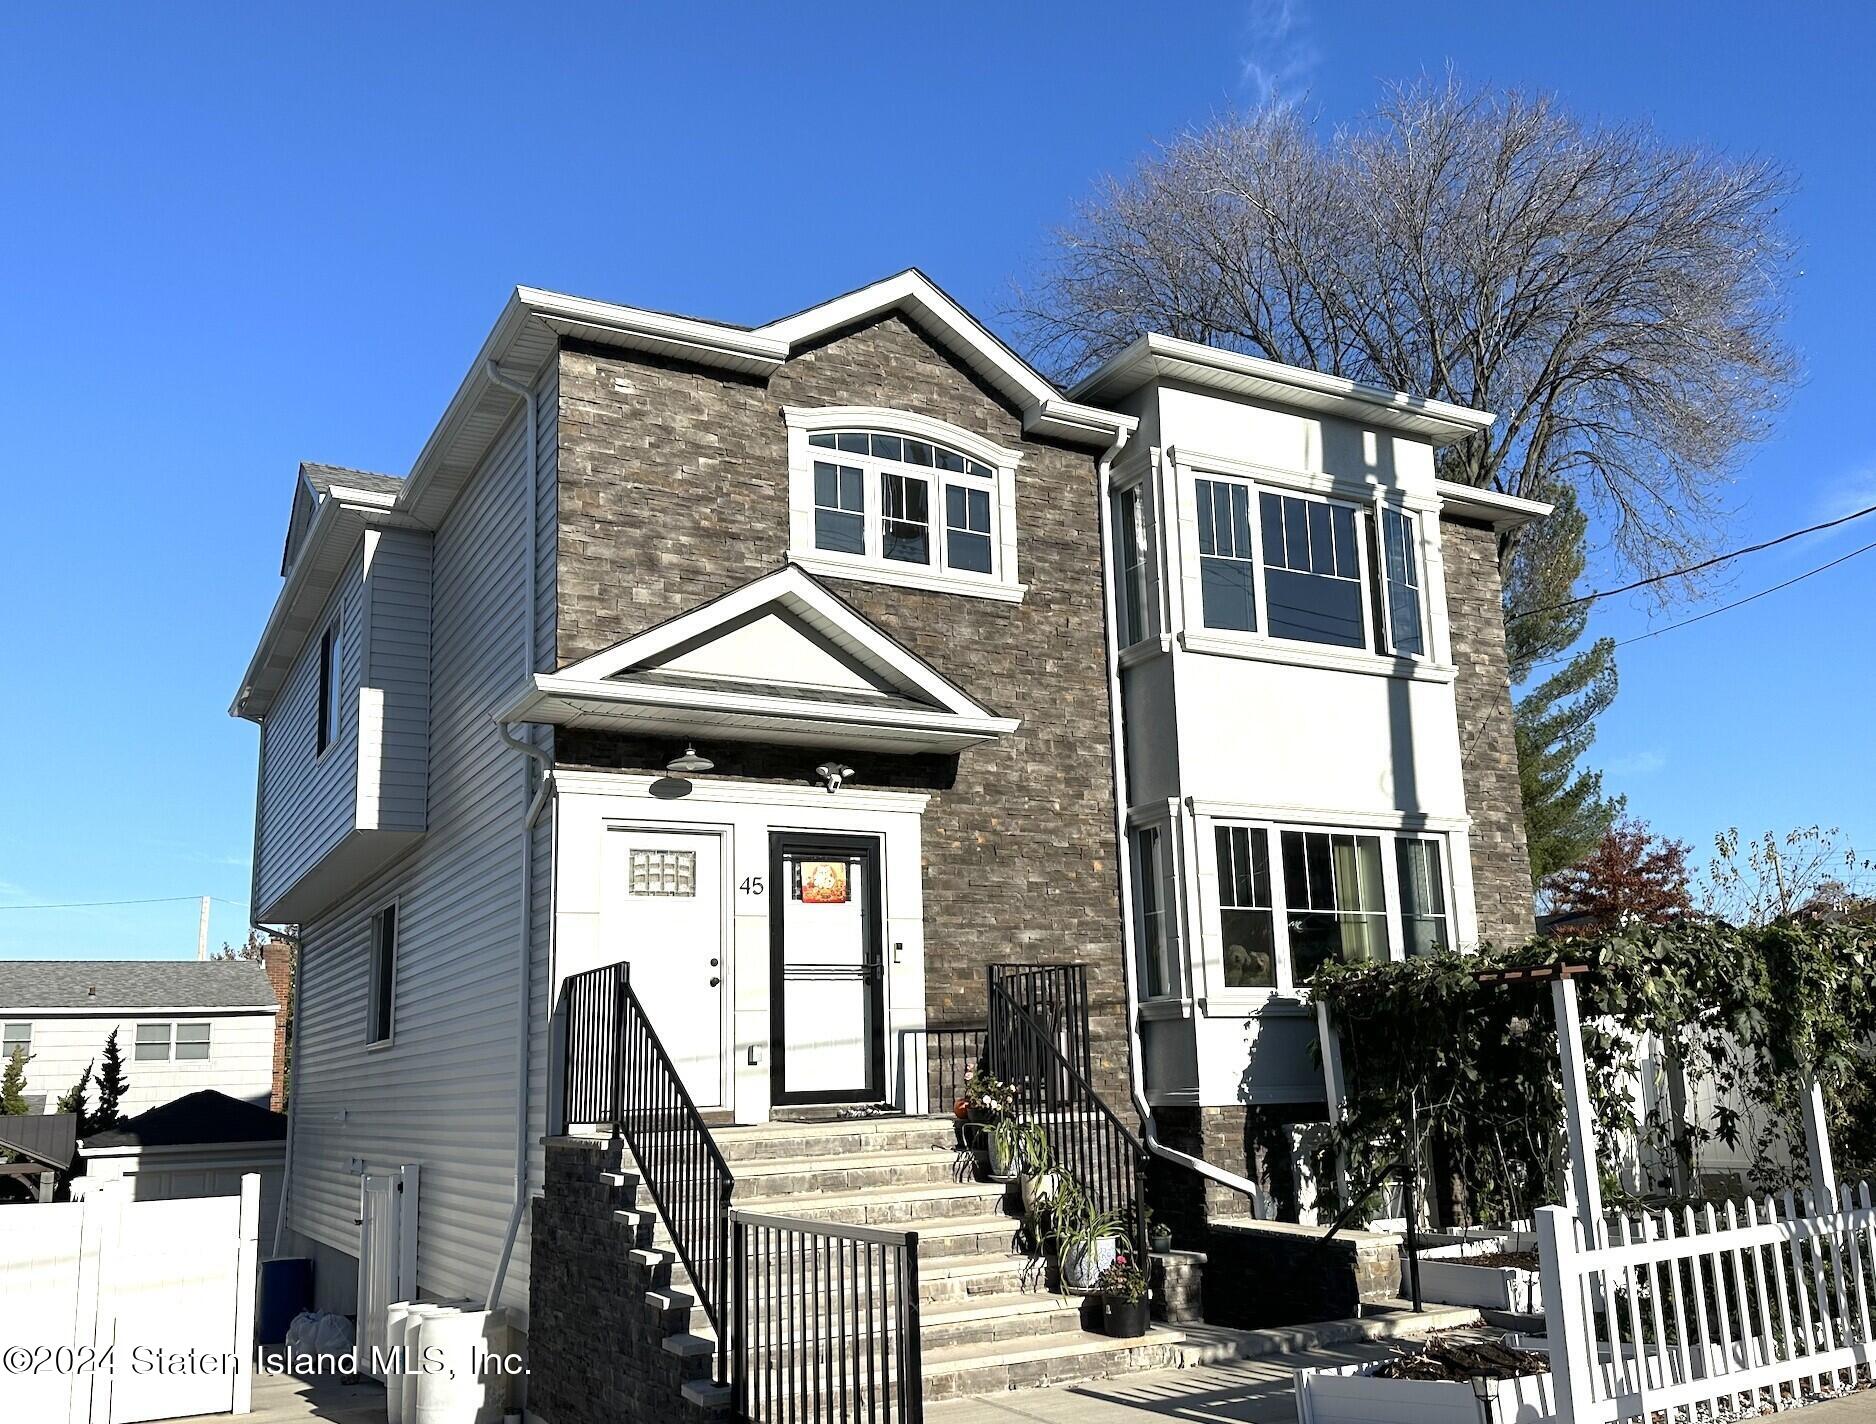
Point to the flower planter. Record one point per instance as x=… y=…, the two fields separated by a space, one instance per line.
x=999 y=1161
x=1351 y=1395
x=1123 y=1319
x=1160 y=1241
x=1040 y=1191
x=1082 y=1262
x=1448 y=1276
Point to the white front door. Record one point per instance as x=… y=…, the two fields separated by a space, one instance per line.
x=667 y=887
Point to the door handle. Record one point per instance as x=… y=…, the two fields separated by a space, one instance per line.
x=714 y=981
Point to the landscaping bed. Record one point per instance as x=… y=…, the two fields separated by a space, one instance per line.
x=1439 y=1383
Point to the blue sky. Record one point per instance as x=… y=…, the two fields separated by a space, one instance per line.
x=235 y=237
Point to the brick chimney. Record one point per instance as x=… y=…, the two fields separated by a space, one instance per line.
x=277 y=959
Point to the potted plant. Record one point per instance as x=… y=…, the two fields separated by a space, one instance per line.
x=985 y=1099
x=1087 y=1238
x=1158 y=1234
x=1003 y=1146
x=1040 y=1179
x=1123 y=1291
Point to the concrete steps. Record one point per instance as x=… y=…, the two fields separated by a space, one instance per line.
x=987 y=1322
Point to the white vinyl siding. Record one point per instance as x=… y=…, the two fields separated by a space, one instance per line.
x=306 y=801
x=394 y=703
x=440 y=1094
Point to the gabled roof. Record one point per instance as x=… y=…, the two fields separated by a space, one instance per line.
x=316 y=483
x=1154 y=357
x=524 y=339
x=48 y=1138
x=195 y=1119
x=104 y=985
x=778 y=659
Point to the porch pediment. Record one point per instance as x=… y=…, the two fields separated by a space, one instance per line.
x=780 y=659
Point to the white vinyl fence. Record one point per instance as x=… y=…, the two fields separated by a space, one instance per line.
x=1688 y=1315
x=114 y=1311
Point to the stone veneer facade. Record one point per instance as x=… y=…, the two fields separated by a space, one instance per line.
x=1488 y=748
x=673 y=489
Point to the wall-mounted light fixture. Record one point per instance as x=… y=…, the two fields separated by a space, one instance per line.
x=689 y=764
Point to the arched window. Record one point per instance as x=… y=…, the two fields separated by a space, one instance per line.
x=895 y=497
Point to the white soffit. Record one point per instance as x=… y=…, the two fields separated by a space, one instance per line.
x=1166 y=358
x=1501 y=511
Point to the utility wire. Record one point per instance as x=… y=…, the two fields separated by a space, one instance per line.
x=99 y=904
x=1728 y=607
x=1696 y=568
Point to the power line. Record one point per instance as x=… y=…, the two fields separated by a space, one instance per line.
x=1728 y=607
x=101 y=904
x=1695 y=568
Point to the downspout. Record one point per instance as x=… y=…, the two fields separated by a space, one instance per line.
x=293 y=1093
x=1136 y=1073
x=524 y=1031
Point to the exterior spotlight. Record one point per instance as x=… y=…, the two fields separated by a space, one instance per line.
x=833 y=773
x=688 y=764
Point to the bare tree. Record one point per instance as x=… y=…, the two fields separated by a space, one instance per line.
x=1614 y=297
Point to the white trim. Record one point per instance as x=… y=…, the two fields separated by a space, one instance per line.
x=1318 y=482
x=1154 y=357
x=103 y=1010
x=1003 y=580
x=1501 y=511
x=1409 y=821
x=815 y=418
x=655 y=331
x=742 y=793
x=1262 y=648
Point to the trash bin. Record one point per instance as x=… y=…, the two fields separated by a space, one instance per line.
x=286 y=1289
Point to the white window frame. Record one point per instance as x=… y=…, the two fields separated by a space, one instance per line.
x=1443 y=861
x=1376 y=656
x=1449 y=834
x=9 y=1041
x=872 y=566
x=374 y=957
x=137 y=1045
x=176 y=1044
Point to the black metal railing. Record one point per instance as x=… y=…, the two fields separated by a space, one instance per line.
x=1056 y=997
x=1087 y=1141
x=826 y=1322
x=953 y=1054
x=618 y=1074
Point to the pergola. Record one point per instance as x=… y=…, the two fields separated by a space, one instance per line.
x=46 y=1141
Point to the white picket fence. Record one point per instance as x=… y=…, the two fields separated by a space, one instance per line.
x=1698 y=1316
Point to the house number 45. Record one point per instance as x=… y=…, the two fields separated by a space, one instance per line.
x=752 y=885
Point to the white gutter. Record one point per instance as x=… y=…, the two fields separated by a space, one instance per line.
x=524 y=1023
x=1136 y=1080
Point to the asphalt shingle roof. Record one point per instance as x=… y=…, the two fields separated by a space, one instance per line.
x=49 y=1138
x=324 y=477
x=205 y=1116
x=132 y=984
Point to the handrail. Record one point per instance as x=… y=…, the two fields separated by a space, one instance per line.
x=1056 y=996
x=1087 y=1139
x=614 y=1059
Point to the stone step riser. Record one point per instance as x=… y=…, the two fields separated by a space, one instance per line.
x=935 y=1172
x=888 y=1210
x=892 y=1135
x=1020 y=1277
x=991 y=1241
x=970 y=1381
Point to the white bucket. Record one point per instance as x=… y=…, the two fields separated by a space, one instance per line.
x=404 y=1386
x=457 y=1392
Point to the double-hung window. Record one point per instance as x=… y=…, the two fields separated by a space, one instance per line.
x=1227 y=586
x=1334 y=898
x=1402 y=567
x=1312 y=570
x=902 y=507
x=159 y=1042
x=1423 y=915
x=16 y=1038
x=1152 y=929
x=1245 y=908
x=1130 y=567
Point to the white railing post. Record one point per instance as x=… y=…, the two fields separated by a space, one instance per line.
x=1817 y=1144
x=1566 y=1322
x=1579 y=1115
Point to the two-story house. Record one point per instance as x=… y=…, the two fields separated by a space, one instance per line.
x=1318 y=754
x=784 y=664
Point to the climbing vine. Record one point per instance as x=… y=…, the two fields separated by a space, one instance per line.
x=1746 y=1011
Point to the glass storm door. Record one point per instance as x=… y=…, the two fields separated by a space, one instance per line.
x=828 y=995
x=669 y=890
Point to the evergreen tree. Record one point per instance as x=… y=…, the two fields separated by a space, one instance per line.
x=13 y=1084
x=111 y=1087
x=73 y=1100
x=1566 y=814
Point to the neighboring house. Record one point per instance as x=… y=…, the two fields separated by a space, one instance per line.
x=1319 y=755
x=776 y=662
x=199 y=1145
x=182 y=1025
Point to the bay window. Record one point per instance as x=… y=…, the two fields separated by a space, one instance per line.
x=1291 y=898
x=1151 y=897
x=868 y=503
x=1341 y=571
x=1132 y=573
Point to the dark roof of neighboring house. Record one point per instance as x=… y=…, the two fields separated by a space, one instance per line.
x=207 y=1116
x=323 y=477
x=133 y=984
x=45 y=1137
